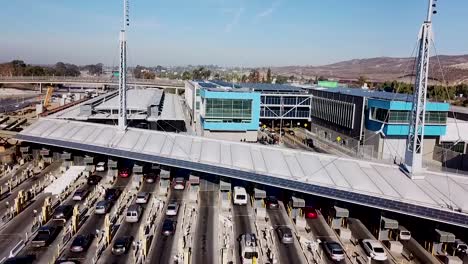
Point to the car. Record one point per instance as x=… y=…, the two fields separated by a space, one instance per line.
x=374 y=249
x=27 y=259
x=112 y=194
x=334 y=250
x=80 y=194
x=172 y=209
x=310 y=212
x=45 y=236
x=291 y=132
x=94 y=179
x=142 y=198
x=150 y=177
x=81 y=243
x=271 y=202
x=67 y=261
x=179 y=183
x=102 y=207
x=63 y=212
x=124 y=172
x=285 y=235
x=122 y=245
x=101 y=166
x=168 y=227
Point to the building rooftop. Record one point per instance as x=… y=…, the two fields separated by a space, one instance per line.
x=257 y=87
x=439 y=196
x=369 y=93
x=172 y=108
x=137 y=100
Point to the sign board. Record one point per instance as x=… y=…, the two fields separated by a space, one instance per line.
x=66 y=156
x=224 y=186
x=88 y=160
x=137 y=169
x=112 y=163
x=165 y=174
x=115 y=74
x=44 y=152
x=24 y=149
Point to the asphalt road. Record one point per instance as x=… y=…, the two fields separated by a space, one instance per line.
x=90 y=226
x=25 y=186
x=360 y=232
x=162 y=251
x=288 y=253
x=204 y=239
x=241 y=226
x=125 y=229
x=322 y=231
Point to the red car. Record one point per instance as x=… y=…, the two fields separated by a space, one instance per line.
x=310 y=212
x=124 y=173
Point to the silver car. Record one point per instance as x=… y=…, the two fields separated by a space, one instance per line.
x=102 y=207
x=285 y=235
x=142 y=198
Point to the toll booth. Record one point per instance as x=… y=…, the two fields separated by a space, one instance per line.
x=441 y=240
x=194 y=188
x=259 y=203
x=338 y=220
x=295 y=207
x=225 y=194
x=164 y=182
x=25 y=155
x=387 y=227
x=137 y=178
x=386 y=231
x=45 y=155
x=66 y=161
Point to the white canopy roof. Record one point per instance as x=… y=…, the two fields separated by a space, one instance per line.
x=339 y=178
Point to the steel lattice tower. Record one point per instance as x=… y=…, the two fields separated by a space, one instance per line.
x=123 y=70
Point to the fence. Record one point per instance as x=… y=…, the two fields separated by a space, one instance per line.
x=452 y=161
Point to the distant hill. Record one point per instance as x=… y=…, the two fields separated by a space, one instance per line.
x=455 y=69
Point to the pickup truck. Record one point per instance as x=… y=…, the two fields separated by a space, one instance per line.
x=45 y=236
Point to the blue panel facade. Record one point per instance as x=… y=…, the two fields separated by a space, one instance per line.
x=223 y=126
x=403 y=128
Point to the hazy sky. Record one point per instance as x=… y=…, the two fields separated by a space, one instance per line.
x=224 y=32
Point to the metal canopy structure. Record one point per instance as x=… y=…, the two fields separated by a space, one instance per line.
x=439 y=196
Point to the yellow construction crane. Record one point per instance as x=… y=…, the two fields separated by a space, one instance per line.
x=48 y=96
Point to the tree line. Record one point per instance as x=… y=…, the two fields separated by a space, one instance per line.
x=20 y=68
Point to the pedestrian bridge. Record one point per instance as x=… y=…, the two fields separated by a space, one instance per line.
x=101 y=80
x=439 y=196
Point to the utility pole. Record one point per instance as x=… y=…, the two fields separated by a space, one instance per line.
x=415 y=140
x=123 y=70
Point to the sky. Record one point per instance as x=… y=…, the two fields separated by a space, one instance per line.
x=224 y=32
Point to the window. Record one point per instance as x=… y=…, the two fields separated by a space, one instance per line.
x=404 y=117
x=334 y=111
x=198 y=105
x=231 y=110
x=198 y=92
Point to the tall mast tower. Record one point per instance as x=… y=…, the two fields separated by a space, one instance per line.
x=123 y=69
x=414 y=142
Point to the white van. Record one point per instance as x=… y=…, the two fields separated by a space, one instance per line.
x=240 y=195
x=134 y=212
x=403 y=233
x=101 y=166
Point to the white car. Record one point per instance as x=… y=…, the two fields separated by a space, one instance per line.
x=101 y=166
x=172 y=209
x=374 y=249
x=142 y=198
x=179 y=183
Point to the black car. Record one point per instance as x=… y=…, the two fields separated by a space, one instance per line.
x=122 y=245
x=168 y=227
x=45 y=236
x=81 y=243
x=150 y=177
x=28 y=259
x=94 y=179
x=63 y=212
x=271 y=202
x=112 y=194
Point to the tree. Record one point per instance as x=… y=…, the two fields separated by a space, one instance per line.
x=268 y=76
x=244 y=78
x=362 y=80
x=280 y=79
x=186 y=75
x=254 y=76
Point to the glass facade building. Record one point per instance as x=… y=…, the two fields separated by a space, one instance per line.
x=228 y=110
